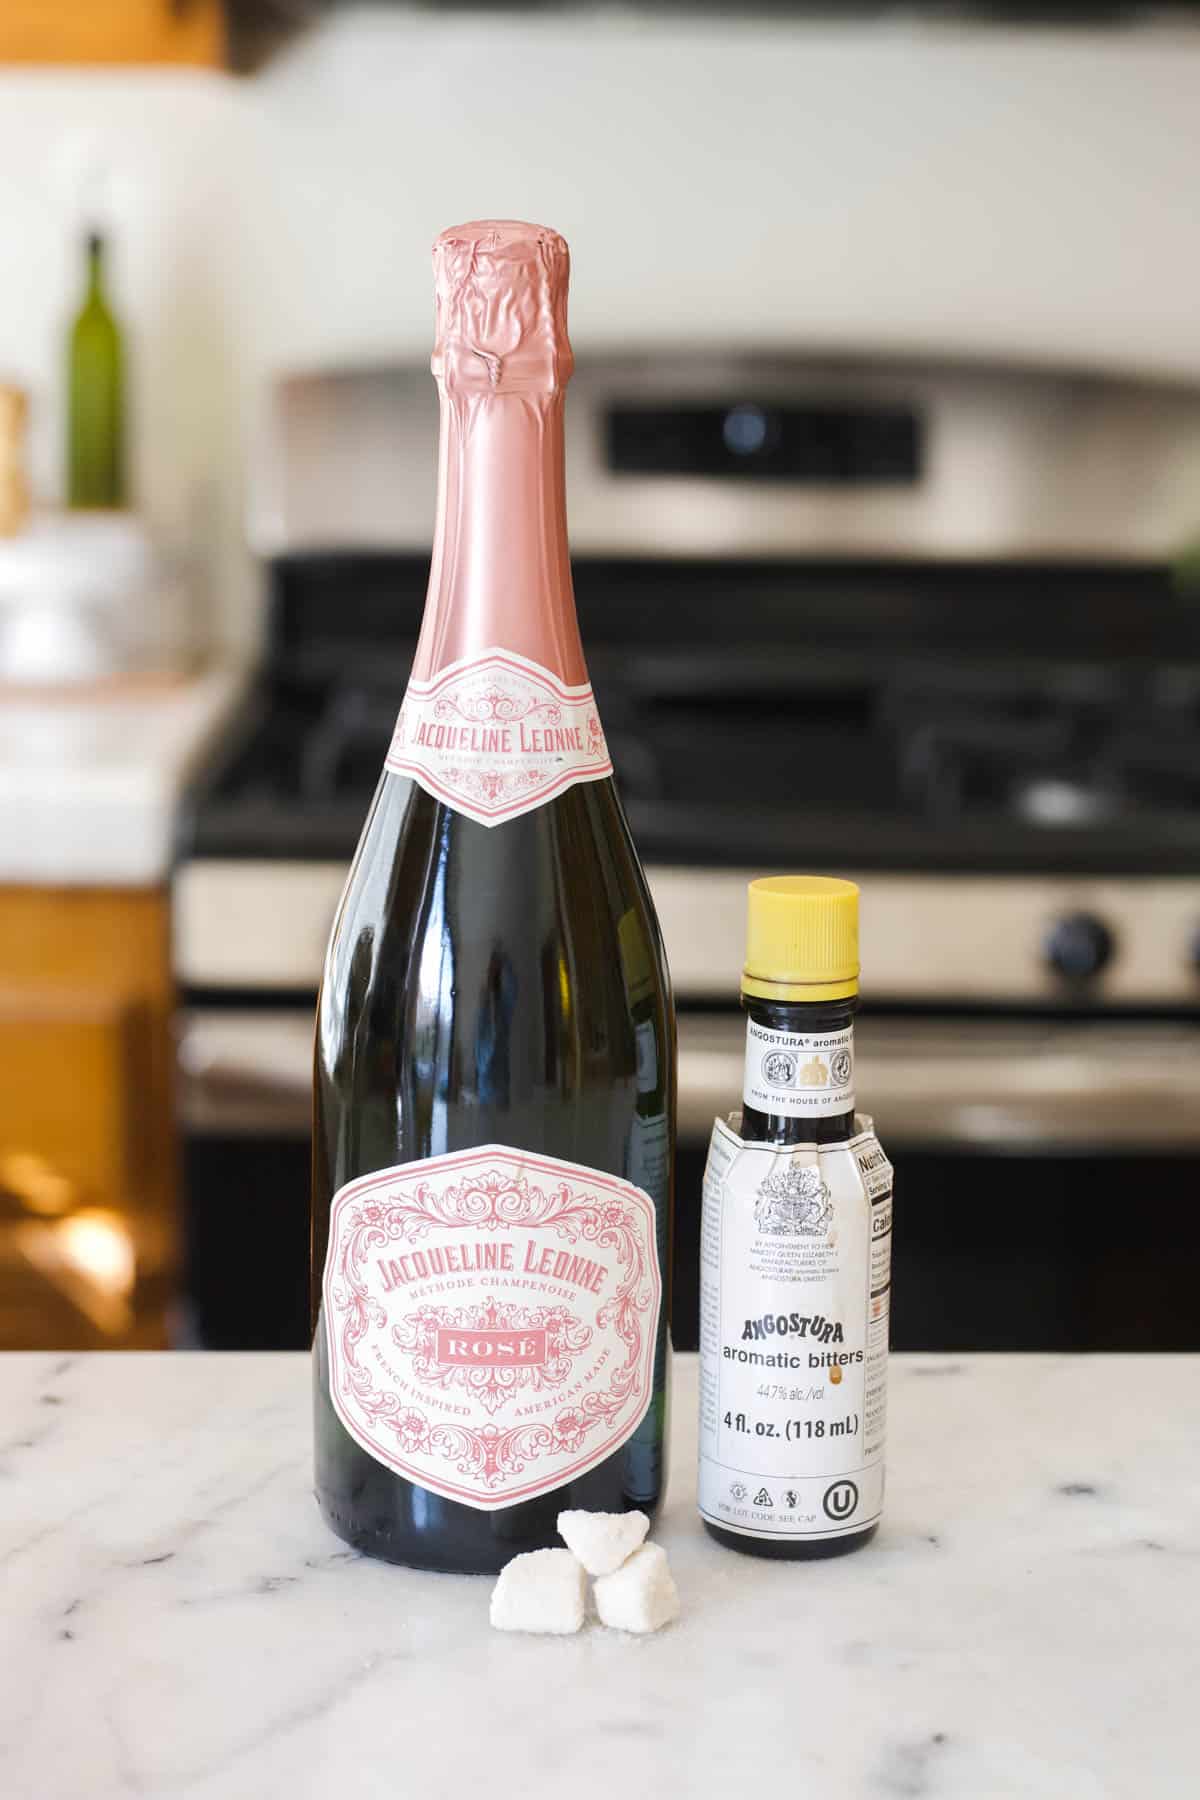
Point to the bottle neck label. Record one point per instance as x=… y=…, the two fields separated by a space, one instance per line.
x=497 y=735
x=799 y=1075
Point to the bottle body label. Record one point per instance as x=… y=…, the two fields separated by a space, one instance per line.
x=496 y=735
x=795 y=1278
x=492 y=1317
x=799 y=1075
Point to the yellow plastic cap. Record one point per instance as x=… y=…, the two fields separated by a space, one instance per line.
x=801 y=938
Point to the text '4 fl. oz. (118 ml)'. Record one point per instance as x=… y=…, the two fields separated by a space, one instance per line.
x=495 y=1056
x=795 y=1258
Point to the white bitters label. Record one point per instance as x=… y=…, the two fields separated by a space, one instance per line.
x=795 y=1275
x=491 y=1317
x=497 y=735
x=799 y=1075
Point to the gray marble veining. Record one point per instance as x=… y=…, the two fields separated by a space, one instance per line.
x=175 y=1620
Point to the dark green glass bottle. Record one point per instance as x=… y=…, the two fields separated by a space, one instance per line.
x=493 y=1141
x=96 y=396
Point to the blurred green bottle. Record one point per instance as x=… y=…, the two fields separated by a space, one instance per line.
x=96 y=404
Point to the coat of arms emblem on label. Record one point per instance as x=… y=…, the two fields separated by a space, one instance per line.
x=497 y=735
x=794 y=1201
x=491 y=1318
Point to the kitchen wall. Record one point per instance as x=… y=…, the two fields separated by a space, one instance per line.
x=154 y=155
x=888 y=185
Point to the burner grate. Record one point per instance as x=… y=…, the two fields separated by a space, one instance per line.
x=761 y=754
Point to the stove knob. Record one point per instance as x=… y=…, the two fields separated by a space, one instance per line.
x=1078 y=946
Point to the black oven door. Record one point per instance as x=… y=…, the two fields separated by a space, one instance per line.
x=1047 y=1176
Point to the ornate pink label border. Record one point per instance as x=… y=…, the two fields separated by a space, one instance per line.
x=497 y=735
x=492 y=1195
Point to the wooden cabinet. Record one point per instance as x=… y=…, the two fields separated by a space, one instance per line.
x=112 y=31
x=89 y=1239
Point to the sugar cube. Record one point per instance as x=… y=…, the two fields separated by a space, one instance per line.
x=641 y=1594
x=602 y=1541
x=544 y=1590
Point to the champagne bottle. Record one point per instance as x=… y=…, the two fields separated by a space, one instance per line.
x=96 y=384
x=495 y=1053
x=795 y=1260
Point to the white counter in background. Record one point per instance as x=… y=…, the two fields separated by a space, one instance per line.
x=90 y=786
x=176 y=1619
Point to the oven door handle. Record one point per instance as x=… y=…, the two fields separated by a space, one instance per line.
x=1125 y=1092
x=1004 y=1090
x=246 y=1072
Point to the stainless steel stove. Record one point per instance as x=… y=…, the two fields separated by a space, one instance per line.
x=926 y=627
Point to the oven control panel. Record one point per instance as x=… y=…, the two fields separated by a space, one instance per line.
x=967 y=939
x=926 y=939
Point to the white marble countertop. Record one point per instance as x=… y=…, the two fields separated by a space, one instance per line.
x=177 y=1621
x=90 y=786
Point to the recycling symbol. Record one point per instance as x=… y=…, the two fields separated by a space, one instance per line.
x=762 y=1498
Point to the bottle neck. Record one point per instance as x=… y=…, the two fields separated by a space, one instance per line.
x=799 y=1079
x=95 y=271
x=501 y=573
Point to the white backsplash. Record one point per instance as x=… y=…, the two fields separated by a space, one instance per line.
x=167 y=145
x=882 y=186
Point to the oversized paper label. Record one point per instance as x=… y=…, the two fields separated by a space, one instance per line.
x=491 y=1318
x=497 y=735
x=795 y=1282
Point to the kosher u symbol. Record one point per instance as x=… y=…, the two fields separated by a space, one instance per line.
x=840 y=1500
